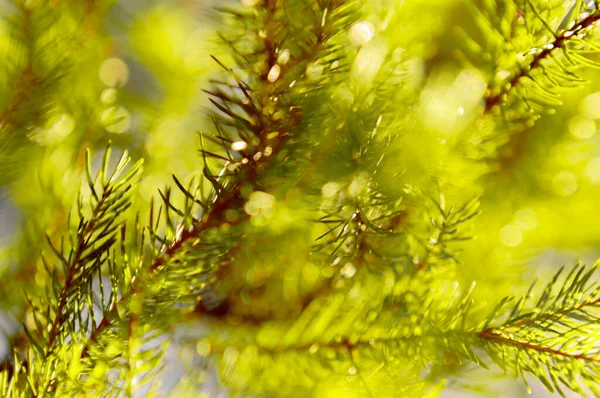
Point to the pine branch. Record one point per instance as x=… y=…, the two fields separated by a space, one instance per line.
x=256 y=108
x=265 y=128
x=90 y=250
x=529 y=64
x=226 y=194
x=495 y=337
x=554 y=339
x=560 y=43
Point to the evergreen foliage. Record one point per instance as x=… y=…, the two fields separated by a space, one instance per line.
x=326 y=238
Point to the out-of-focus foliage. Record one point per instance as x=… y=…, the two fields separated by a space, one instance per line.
x=337 y=198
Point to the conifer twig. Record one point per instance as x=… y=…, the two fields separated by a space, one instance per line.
x=558 y=332
x=559 y=43
x=496 y=337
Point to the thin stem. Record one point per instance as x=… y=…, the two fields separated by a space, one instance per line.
x=495 y=337
x=559 y=42
x=74 y=266
x=496 y=334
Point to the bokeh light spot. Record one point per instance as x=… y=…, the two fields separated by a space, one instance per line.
x=526 y=219
x=58 y=128
x=114 y=72
x=62 y=126
x=358 y=186
x=284 y=57
x=564 y=183
x=314 y=70
x=203 y=348
x=116 y=120
x=592 y=170
x=260 y=205
x=348 y=270
x=511 y=235
x=582 y=127
x=239 y=145
x=590 y=106
x=362 y=33
x=108 y=96
x=331 y=189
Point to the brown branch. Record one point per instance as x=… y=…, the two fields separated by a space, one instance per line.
x=495 y=334
x=72 y=271
x=495 y=337
x=71 y=274
x=559 y=42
